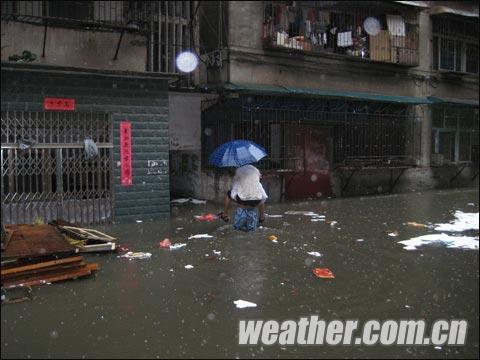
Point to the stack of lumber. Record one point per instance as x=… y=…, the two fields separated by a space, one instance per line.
x=39 y=254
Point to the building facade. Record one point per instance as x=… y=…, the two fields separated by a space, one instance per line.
x=79 y=72
x=348 y=98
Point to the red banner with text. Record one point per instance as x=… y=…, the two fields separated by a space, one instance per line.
x=126 y=153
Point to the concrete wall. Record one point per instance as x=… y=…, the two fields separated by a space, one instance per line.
x=76 y=48
x=185 y=144
x=139 y=99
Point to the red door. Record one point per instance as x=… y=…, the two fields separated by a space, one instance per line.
x=309 y=148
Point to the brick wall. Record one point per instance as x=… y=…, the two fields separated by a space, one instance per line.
x=139 y=99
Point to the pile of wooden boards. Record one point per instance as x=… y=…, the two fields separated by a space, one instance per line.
x=39 y=254
x=45 y=272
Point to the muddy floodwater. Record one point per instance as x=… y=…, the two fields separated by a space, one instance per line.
x=155 y=307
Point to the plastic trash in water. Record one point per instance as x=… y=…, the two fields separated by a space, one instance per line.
x=188 y=267
x=177 y=246
x=198 y=202
x=415 y=224
x=136 y=255
x=273 y=216
x=91 y=149
x=244 y=304
x=272 y=238
x=179 y=201
x=323 y=273
x=200 y=236
x=314 y=253
x=393 y=233
x=206 y=217
x=166 y=243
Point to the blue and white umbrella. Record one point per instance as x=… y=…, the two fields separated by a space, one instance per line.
x=237 y=153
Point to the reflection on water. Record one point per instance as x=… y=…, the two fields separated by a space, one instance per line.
x=157 y=308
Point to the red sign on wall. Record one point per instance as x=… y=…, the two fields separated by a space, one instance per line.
x=59 y=104
x=126 y=153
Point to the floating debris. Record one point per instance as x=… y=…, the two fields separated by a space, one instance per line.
x=272 y=238
x=244 y=304
x=463 y=222
x=323 y=273
x=139 y=221
x=177 y=246
x=207 y=217
x=458 y=242
x=200 y=236
x=165 y=244
x=273 y=216
x=136 y=255
x=415 y=224
x=185 y=200
x=197 y=202
x=314 y=253
x=393 y=233
x=360 y=240
x=179 y=201
x=188 y=267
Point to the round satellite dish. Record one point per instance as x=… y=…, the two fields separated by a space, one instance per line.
x=372 y=26
x=187 y=61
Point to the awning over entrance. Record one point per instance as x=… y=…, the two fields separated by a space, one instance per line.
x=436 y=10
x=452 y=102
x=310 y=92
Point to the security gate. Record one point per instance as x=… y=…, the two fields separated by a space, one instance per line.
x=45 y=172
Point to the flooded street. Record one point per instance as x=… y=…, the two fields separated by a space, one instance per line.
x=155 y=307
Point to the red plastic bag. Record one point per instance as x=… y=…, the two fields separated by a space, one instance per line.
x=207 y=217
x=165 y=244
x=323 y=273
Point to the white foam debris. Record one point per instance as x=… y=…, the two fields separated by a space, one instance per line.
x=185 y=200
x=200 y=236
x=177 y=246
x=393 y=234
x=197 y=201
x=360 y=240
x=458 y=242
x=274 y=216
x=314 y=253
x=306 y=213
x=139 y=221
x=179 y=201
x=244 y=304
x=215 y=252
x=317 y=219
x=463 y=221
x=136 y=255
x=188 y=267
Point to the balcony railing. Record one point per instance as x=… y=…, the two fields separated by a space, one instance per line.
x=376 y=31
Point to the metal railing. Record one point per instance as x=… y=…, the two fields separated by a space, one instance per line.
x=165 y=25
x=358 y=133
x=379 y=32
x=45 y=173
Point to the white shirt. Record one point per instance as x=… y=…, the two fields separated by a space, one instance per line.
x=246 y=184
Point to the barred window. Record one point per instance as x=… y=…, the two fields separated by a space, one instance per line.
x=455 y=45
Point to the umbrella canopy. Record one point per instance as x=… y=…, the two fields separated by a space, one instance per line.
x=237 y=153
